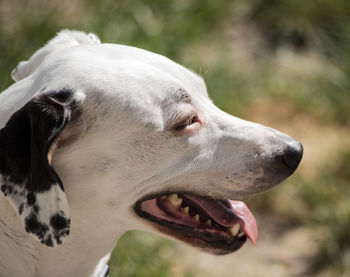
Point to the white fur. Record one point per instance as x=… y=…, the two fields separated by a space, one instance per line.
x=124 y=149
x=64 y=39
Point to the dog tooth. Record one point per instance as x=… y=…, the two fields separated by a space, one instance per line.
x=209 y=222
x=185 y=210
x=234 y=229
x=175 y=200
x=196 y=217
x=241 y=234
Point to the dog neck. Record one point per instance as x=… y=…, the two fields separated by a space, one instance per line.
x=90 y=240
x=100 y=213
x=18 y=254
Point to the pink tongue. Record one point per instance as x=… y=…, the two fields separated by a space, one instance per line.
x=249 y=223
x=229 y=216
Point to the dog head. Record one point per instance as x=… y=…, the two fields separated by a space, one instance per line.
x=147 y=139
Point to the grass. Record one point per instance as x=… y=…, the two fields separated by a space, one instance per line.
x=150 y=256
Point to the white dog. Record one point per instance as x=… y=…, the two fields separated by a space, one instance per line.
x=97 y=139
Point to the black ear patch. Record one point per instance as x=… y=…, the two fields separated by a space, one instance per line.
x=27 y=178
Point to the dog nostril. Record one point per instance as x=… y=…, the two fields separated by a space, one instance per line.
x=292 y=156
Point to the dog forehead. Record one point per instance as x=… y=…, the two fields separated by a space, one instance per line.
x=113 y=68
x=122 y=82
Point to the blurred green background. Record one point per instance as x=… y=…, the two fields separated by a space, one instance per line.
x=283 y=63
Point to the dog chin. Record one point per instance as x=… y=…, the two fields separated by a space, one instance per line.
x=212 y=247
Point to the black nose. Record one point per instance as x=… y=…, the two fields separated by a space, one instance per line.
x=292 y=155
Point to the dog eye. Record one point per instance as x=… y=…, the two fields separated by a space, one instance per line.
x=187 y=122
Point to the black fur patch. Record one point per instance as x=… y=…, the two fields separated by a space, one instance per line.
x=32 y=225
x=25 y=141
x=58 y=222
x=4 y=188
x=61 y=227
x=31 y=198
x=24 y=145
x=20 y=209
x=36 y=209
x=48 y=241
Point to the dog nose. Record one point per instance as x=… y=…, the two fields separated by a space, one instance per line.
x=292 y=155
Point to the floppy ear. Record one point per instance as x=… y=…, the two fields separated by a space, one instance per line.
x=64 y=39
x=29 y=181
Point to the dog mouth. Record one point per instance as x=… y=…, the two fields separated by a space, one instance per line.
x=216 y=226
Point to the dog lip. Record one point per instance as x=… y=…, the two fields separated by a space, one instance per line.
x=228 y=214
x=216 y=245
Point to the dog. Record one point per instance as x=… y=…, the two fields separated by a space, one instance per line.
x=97 y=139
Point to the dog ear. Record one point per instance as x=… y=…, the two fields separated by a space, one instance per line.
x=64 y=39
x=29 y=181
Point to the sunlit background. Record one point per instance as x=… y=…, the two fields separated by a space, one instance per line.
x=283 y=63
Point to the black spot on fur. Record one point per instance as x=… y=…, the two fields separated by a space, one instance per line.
x=58 y=239
x=60 y=227
x=48 y=241
x=9 y=189
x=32 y=225
x=36 y=209
x=4 y=188
x=58 y=222
x=20 y=209
x=31 y=198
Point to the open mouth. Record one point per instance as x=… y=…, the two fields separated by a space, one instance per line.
x=217 y=226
